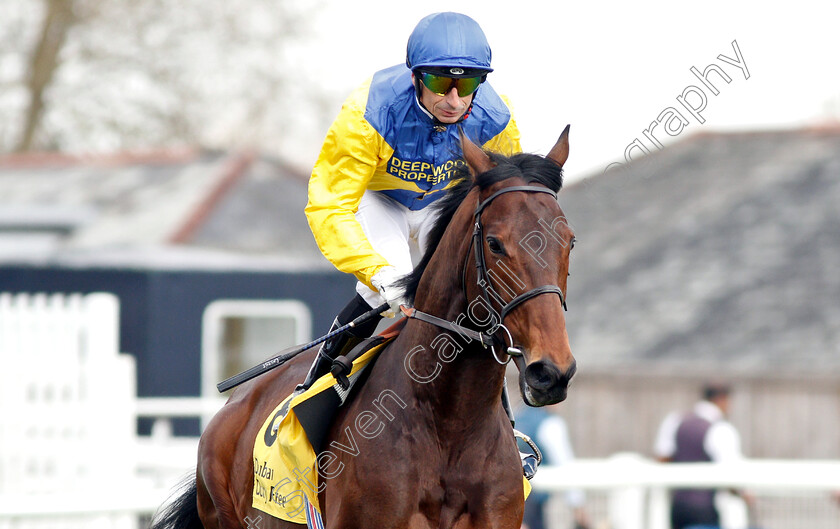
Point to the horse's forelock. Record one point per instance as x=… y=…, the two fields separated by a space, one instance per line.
x=532 y=168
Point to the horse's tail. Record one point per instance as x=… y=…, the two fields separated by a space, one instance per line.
x=182 y=512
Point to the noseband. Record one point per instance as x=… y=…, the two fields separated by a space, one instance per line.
x=483 y=279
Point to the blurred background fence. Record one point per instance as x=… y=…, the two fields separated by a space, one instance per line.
x=628 y=491
x=70 y=454
x=779 y=414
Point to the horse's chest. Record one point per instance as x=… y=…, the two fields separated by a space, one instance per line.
x=460 y=495
x=423 y=483
x=461 y=506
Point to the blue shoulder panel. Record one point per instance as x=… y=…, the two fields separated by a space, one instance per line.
x=422 y=154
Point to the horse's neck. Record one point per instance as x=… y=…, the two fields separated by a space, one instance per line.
x=460 y=381
x=458 y=384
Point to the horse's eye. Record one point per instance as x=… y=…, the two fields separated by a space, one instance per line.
x=494 y=245
x=572 y=244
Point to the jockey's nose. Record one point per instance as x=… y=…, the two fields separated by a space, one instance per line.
x=452 y=98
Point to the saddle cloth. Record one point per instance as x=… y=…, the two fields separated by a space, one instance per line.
x=285 y=466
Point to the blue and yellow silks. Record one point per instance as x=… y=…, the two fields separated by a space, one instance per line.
x=384 y=141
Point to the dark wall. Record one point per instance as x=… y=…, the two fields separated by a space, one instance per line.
x=161 y=311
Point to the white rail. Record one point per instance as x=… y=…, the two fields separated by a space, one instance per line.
x=69 y=451
x=162 y=460
x=68 y=418
x=636 y=489
x=172 y=407
x=633 y=471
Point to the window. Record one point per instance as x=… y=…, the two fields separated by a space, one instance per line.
x=239 y=334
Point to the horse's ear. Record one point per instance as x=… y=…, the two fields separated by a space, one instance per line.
x=560 y=152
x=477 y=160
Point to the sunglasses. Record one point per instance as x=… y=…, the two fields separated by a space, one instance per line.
x=441 y=85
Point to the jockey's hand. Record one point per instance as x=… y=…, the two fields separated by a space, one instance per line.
x=385 y=281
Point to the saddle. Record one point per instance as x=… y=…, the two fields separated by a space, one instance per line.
x=316 y=413
x=286 y=447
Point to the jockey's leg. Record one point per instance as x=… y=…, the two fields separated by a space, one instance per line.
x=337 y=344
x=385 y=226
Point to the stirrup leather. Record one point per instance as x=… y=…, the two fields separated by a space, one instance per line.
x=342 y=364
x=324 y=357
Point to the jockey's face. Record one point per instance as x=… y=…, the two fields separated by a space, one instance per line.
x=447 y=108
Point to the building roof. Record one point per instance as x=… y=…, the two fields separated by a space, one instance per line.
x=721 y=250
x=182 y=208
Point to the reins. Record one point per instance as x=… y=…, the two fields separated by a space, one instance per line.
x=484 y=339
x=487 y=339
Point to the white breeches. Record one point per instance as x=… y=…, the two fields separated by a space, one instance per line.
x=397 y=233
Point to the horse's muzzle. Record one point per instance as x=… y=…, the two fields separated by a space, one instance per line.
x=543 y=383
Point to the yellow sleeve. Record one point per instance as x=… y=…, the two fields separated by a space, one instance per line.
x=506 y=142
x=347 y=161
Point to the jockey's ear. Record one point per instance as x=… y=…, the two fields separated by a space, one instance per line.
x=560 y=152
x=477 y=160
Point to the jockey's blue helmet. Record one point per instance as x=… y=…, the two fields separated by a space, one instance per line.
x=449 y=41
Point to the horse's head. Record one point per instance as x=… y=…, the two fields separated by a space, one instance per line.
x=521 y=246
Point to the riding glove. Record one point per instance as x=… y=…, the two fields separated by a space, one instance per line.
x=385 y=281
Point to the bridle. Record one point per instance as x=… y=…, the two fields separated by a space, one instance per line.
x=488 y=339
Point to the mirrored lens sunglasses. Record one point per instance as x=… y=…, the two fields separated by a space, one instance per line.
x=441 y=85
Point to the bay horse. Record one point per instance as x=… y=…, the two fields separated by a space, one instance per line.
x=427 y=442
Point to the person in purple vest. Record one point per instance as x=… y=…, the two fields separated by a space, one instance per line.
x=702 y=434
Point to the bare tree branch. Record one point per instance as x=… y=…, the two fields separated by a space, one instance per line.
x=99 y=75
x=57 y=22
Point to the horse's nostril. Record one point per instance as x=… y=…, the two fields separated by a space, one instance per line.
x=541 y=375
x=547 y=377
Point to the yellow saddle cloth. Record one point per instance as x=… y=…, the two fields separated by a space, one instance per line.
x=285 y=471
x=285 y=464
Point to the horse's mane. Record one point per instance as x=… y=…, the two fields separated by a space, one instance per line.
x=532 y=168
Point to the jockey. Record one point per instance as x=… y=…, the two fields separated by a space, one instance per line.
x=391 y=152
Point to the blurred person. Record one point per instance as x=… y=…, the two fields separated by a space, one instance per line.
x=549 y=431
x=701 y=435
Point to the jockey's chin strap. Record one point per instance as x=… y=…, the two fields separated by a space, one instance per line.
x=487 y=339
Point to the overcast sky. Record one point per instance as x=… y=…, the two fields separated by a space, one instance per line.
x=611 y=69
